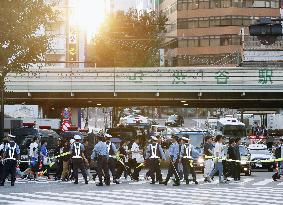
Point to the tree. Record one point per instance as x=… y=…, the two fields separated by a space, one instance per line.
x=128 y=40
x=23 y=40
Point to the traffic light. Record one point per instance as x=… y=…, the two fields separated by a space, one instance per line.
x=266 y=27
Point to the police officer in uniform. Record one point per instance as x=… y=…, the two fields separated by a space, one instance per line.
x=173 y=166
x=187 y=160
x=154 y=153
x=77 y=150
x=11 y=155
x=100 y=154
x=112 y=162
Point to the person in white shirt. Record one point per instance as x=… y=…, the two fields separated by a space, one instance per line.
x=218 y=154
x=33 y=154
x=137 y=159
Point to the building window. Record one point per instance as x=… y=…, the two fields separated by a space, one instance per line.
x=225 y=3
x=214 y=41
x=193 y=42
x=225 y=40
x=237 y=3
x=237 y=20
x=203 y=4
x=247 y=21
x=192 y=4
x=226 y=21
x=215 y=4
x=182 y=44
x=215 y=21
x=204 y=41
x=203 y=22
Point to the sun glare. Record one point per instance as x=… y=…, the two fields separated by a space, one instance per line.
x=89 y=15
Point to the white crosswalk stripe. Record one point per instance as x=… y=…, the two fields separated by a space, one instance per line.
x=193 y=195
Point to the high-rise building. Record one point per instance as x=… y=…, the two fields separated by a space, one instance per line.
x=69 y=41
x=146 y=5
x=208 y=32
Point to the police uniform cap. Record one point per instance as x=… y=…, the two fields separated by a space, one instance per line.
x=77 y=137
x=72 y=141
x=11 y=136
x=186 y=139
x=154 y=138
x=175 y=137
x=108 y=136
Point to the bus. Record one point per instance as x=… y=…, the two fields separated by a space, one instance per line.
x=231 y=128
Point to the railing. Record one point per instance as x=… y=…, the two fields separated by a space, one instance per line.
x=153 y=79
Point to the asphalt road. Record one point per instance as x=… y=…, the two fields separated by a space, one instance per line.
x=256 y=189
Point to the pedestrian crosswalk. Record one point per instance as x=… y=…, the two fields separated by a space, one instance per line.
x=147 y=196
x=251 y=181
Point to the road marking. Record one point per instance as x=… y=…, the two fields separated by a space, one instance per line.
x=263 y=182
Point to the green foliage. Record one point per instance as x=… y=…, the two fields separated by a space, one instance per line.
x=23 y=40
x=128 y=40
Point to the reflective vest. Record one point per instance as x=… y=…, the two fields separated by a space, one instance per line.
x=77 y=150
x=10 y=152
x=153 y=149
x=187 y=151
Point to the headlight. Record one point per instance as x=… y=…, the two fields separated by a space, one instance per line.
x=200 y=160
x=243 y=162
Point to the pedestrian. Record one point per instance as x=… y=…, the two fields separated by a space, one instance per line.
x=187 y=160
x=238 y=158
x=174 y=159
x=219 y=155
x=77 y=151
x=279 y=154
x=44 y=158
x=59 y=163
x=112 y=161
x=231 y=156
x=2 y=146
x=10 y=155
x=208 y=162
x=33 y=154
x=100 y=154
x=87 y=160
x=155 y=153
x=66 y=158
x=122 y=165
x=137 y=159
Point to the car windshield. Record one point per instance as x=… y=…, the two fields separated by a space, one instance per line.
x=234 y=130
x=172 y=118
x=196 y=138
x=260 y=151
x=243 y=150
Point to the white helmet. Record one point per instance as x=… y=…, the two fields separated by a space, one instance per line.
x=77 y=137
x=72 y=141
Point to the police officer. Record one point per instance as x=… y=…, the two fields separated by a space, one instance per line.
x=100 y=154
x=112 y=162
x=77 y=150
x=11 y=155
x=173 y=166
x=187 y=160
x=154 y=153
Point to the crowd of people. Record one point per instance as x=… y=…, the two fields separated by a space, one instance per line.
x=106 y=157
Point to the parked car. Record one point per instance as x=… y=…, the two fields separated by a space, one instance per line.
x=260 y=152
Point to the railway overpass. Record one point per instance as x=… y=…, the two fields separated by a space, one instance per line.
x=233 y=87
